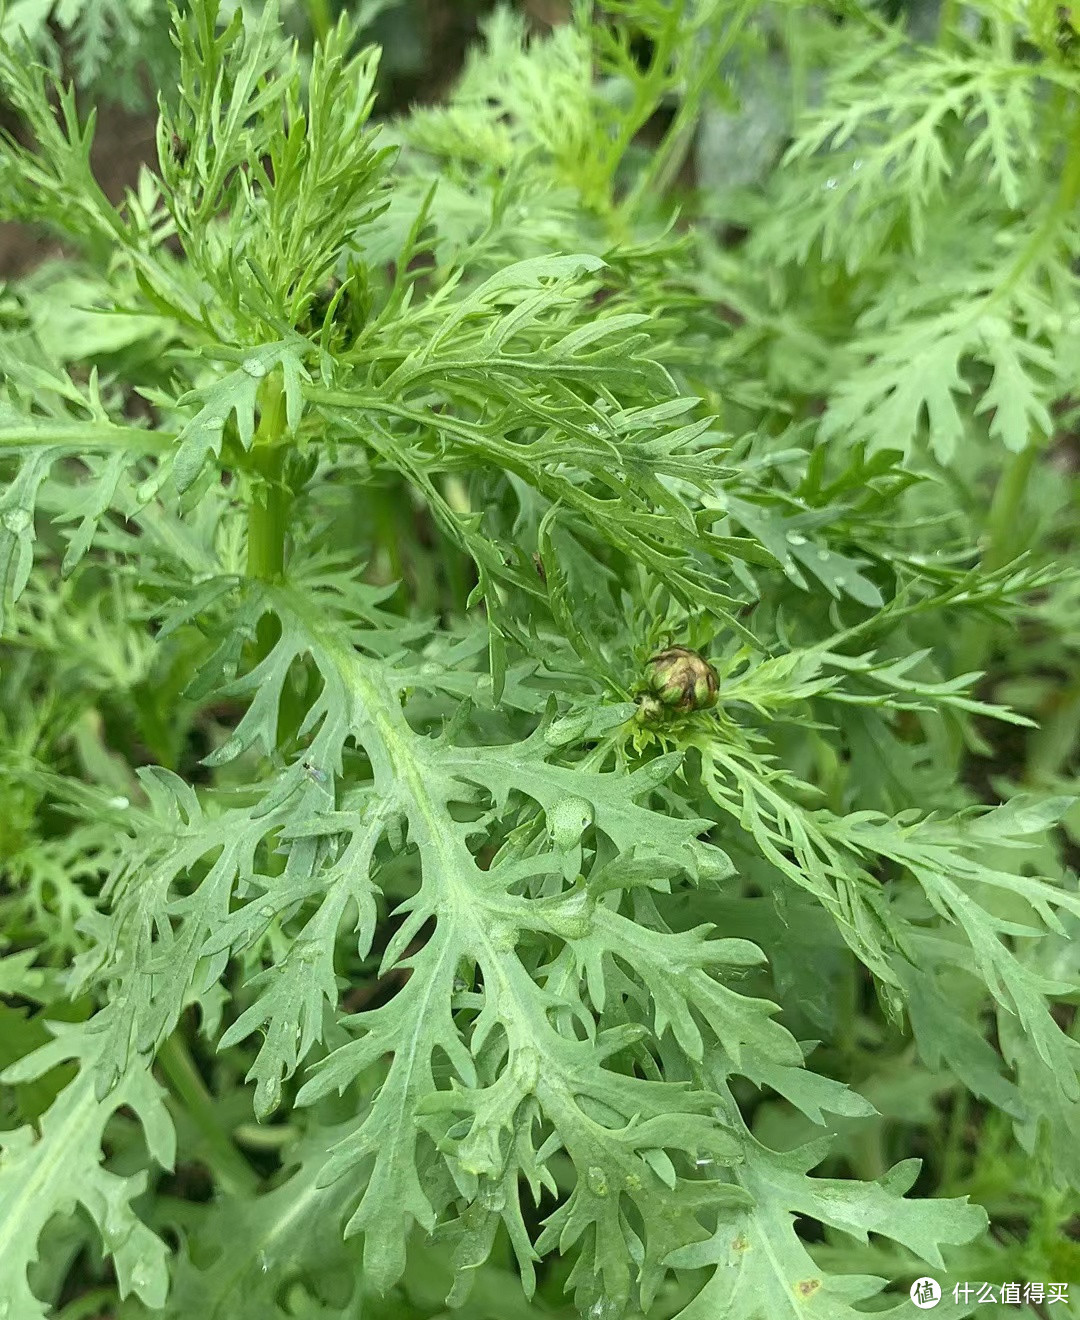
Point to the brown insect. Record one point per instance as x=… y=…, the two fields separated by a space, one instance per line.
x=179 y=149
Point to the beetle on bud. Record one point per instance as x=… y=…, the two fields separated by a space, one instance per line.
x=681 y=680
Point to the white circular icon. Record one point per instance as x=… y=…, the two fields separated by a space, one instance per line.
x=925 y=1293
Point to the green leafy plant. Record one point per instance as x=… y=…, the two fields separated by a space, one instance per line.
x=493 y=787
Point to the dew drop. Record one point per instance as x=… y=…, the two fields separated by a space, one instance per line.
x=267 y=1096
x=263 y=1263
x=567 y=820
x=830 y=184
x=840 y=580
x=824 y=556
x=796 y=538
x=118 y=803
x=140 y=1277
x=266 y=911
x=856 y=165
x=115 y=1231
x=789 y=564
x=255 y=367
x=16 y=520
x=597 y=1180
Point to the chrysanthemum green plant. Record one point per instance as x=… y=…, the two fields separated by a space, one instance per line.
x=476 y=831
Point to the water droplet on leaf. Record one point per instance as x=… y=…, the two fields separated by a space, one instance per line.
x=118 y=803
x=567 y=821
x=116 y=1229
x=16 y=520
x=267 y=1096
x=597 y=1180
x=830 y=184
x=796 y=538
x=255 y=367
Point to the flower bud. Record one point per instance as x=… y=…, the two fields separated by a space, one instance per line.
x=682 y=679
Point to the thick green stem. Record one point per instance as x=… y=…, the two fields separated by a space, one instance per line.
x=268 y=511
x=1006 y=531
x=267 y=517
x=952 y=1148
x=233 y=1173
x=1003 y=539
x=265 y=1138
x=1052 y=744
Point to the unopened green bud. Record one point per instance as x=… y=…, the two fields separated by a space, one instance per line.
x=682 y=680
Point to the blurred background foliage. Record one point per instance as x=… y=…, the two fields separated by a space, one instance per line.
x=117 y=53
